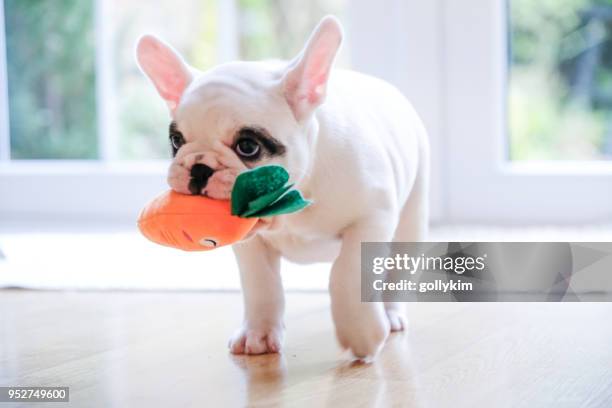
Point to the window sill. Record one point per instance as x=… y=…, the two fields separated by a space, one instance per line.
x=78 y=189
x=558 y=168
x=82 y=167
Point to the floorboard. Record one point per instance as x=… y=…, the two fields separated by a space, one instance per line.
x=131 y=349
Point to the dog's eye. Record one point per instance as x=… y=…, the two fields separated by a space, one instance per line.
x=248 y=148
x=177 y=140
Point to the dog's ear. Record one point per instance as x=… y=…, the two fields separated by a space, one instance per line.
x=165 y=67
x=305 y=82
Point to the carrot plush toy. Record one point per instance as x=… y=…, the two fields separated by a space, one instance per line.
x=197 y=223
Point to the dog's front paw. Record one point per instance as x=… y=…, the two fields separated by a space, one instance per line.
x=248 y=340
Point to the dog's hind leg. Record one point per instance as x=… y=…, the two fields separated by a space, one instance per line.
x=412 y=226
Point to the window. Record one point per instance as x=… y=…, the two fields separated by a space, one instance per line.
x=560 y=92
x=516 y=135
x=504 y=163
x=75 y=91
x=50 y=60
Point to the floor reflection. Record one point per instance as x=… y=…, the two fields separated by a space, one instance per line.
x=389 y=381
x=265 y=376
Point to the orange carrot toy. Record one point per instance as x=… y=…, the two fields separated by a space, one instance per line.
x=197 y=223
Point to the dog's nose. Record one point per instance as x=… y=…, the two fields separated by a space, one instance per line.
x=200 y=173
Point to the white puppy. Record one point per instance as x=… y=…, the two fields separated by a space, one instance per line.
x=351 y=143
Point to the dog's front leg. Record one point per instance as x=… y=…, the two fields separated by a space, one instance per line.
x=360 y=326
x=262 y=329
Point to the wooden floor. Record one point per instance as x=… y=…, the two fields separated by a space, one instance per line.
x=169 y=350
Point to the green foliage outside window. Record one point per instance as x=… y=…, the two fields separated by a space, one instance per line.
x=51 y=79
x=560 y=95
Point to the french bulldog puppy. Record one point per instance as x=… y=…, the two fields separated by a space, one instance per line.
x=350 y=142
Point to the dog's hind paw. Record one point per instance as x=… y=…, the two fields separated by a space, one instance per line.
x=365 y=338
x=397 y=320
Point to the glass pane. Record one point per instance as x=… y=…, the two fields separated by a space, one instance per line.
x=190 y=26
x=266 y=29
x=560 y=95
x=51 y=77
x=278 y=29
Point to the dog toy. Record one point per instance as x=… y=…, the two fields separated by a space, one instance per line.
x=198 y=223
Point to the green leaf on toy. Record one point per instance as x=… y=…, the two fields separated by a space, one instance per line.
x=255 y=183
x=289 y=203
x=265 y=200
x=263 y=192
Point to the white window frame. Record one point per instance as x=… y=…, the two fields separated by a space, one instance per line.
x=483 y=186
x=400 y=41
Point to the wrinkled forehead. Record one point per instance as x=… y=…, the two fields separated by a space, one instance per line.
x=218 y=104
